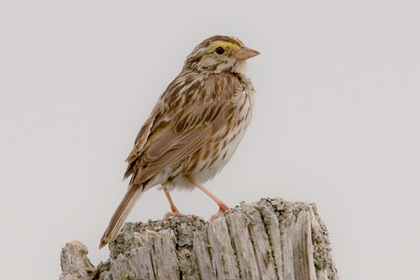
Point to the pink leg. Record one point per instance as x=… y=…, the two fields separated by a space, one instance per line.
x=175 y=212
x=222 y=207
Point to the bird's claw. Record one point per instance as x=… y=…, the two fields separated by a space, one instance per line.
x=175 y=213
x=223 y=208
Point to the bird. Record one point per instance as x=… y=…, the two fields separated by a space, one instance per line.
x=194 y=128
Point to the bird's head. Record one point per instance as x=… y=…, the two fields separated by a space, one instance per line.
x=220 y=54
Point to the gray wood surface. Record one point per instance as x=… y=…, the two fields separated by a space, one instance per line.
x=269 y=239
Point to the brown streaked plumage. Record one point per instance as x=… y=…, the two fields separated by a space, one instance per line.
x=194 y=128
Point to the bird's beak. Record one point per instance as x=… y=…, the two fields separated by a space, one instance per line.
x=245 y=53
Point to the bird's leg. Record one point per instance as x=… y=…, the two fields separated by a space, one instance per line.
x=222 y=206
x=175 y=212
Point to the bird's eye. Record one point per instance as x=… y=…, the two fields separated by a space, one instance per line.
x=220 y=50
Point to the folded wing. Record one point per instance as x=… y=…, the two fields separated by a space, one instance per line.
x=195 y=108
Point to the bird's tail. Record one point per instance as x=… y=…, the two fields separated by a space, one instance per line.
x=117 y=221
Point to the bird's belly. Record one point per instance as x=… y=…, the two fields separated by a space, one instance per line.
x=226 y=152
x=203 y=168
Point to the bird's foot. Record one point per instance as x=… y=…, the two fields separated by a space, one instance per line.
x=174 y=213
x=222 y=209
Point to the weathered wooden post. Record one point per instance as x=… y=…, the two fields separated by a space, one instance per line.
x=269 y=239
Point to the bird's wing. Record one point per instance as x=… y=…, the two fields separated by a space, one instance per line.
x=191 y=110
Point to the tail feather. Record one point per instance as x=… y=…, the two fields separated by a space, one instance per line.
x=117 y=221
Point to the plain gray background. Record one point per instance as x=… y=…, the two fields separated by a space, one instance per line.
x=336 y=120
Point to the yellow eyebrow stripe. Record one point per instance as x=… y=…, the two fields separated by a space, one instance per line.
x=226 y=45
